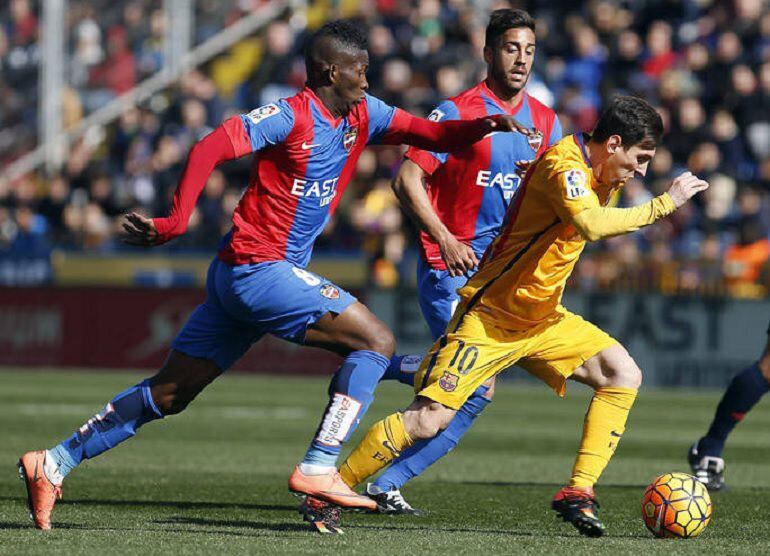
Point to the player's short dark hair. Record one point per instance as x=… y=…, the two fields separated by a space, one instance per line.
x=347 y=33
x=502 y=20
x=634 y=119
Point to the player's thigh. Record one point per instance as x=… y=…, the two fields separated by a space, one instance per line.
x=437 y=296
x=280 y=298
x=461 y=361
x=611 y=367
x=356 y=328
x=556 y=350
x=211 y=334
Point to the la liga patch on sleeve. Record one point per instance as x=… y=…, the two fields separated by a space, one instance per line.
x=575 y=182
x=263 y=112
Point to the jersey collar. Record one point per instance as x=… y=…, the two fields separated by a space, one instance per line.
x=328 y=116
x=499 y=102
x=580 y=139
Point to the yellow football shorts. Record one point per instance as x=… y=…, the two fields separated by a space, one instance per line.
x=461 y=361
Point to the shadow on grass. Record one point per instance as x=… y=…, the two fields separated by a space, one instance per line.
x=182 y=505
x=535 y=484
x=299 y=527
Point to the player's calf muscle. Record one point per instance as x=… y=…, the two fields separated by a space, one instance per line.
x=425 y=418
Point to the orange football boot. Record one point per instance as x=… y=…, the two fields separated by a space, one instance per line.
x=579 y=507
x=331 y=488
x=42 y=494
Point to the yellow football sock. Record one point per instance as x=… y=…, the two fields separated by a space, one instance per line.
x=604 y=425
x=381 y=445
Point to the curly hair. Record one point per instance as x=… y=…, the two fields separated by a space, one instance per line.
x=345 y=32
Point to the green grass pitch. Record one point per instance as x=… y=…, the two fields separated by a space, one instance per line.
x=213 y=479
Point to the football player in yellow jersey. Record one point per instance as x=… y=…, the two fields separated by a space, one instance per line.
x=510 y=311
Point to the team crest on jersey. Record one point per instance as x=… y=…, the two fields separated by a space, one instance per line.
x=349 y=139
x=575 y=182
x=330 y=291
x=535 y=140
x=436 y=115
x=263 y=112
x=448 y=382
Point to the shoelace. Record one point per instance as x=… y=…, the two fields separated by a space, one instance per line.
x=395 y=497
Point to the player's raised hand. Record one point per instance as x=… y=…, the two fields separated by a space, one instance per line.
x=140 y=230
x=458 y=257
x=505 y=122
x=684 y=187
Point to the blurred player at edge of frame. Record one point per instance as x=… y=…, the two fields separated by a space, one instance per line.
x=459 y=202
x=510 y=311
x=308 y=146
x=744 y=391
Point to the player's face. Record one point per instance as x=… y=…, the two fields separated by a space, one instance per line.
x=350 y=83
x=625 y=163
x=510 y=61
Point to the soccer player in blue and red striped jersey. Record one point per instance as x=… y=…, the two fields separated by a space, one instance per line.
x=459 y=200
x=307 y=147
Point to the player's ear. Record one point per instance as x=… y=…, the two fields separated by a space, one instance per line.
x=332 y=73
x=614 y=143
x=488 y=54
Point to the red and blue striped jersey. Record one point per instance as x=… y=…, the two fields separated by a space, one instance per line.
x=304 y=159
x=470 y=189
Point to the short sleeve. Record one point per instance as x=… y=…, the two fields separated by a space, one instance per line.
x=267 y=125
x=429 y=161
x=569 y=191
x=380 y=118
x=556 y=132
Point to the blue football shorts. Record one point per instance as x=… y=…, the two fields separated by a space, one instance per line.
x=437 y=294
x=245 y=302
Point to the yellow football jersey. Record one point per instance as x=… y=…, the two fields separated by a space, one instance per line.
x=521 y=279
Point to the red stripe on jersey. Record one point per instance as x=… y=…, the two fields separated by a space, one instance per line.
x=355 y=152
x=458 y=206
x=543 y=118
x=265 y=215
x=236 y=131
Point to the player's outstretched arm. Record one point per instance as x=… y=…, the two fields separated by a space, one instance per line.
x=601 y=222
x=216 y=147
x=450 y=135
x=410 y=190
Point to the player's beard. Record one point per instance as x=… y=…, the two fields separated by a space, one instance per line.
x=503 y=79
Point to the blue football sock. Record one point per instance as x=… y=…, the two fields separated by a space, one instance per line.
x=744 y=391
x=117 y=422
x=403 y=368
x=350 y=394
x=422 y=455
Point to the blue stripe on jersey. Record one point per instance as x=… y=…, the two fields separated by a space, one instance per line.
x=380 y=117
x=327 y=158
x=502 y=178
x=269 y=124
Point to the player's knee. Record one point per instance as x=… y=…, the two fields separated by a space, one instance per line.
x=381 y=340
x=625 y=373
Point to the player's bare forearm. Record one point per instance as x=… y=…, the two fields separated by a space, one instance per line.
x=410 y=190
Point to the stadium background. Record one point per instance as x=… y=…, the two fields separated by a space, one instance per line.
x=102 y=124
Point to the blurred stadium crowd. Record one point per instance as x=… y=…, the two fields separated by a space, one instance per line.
x=704 y=63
